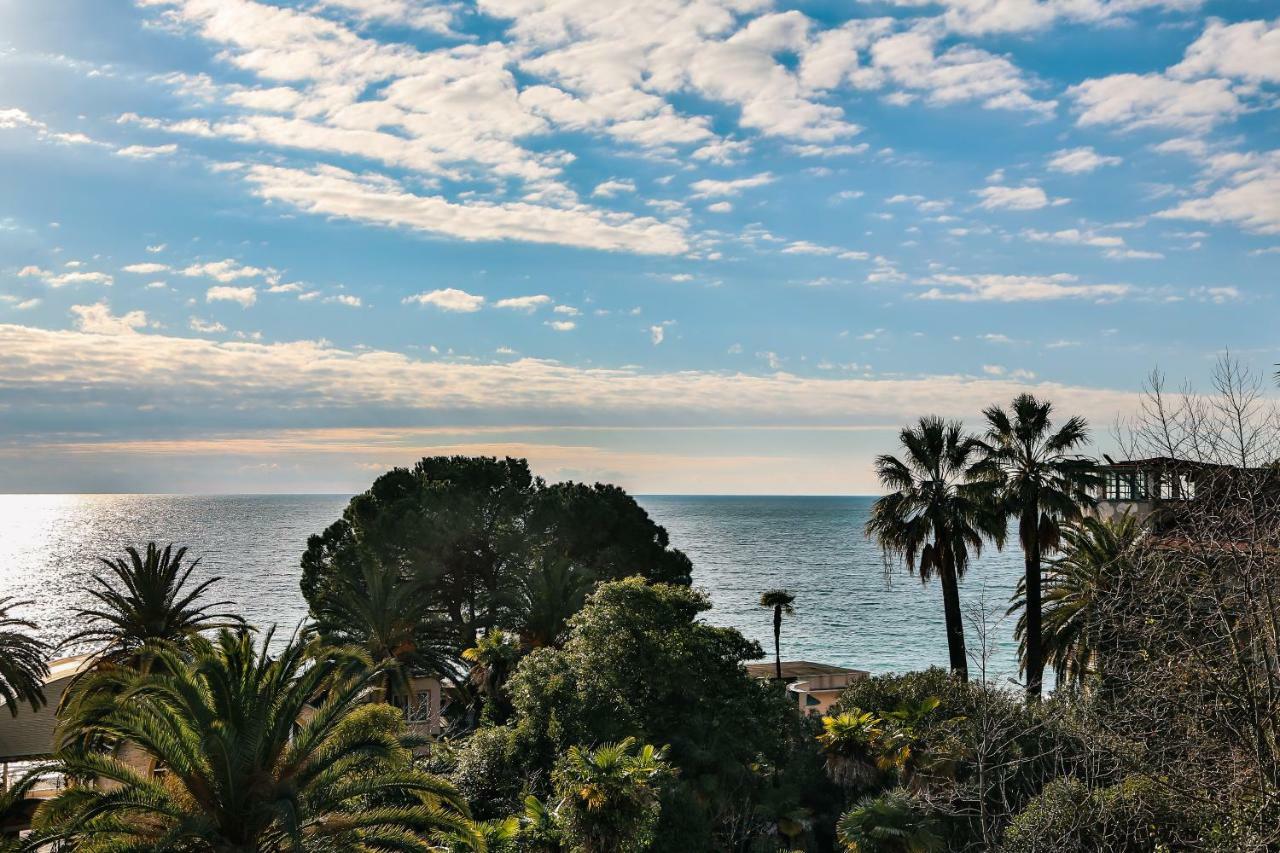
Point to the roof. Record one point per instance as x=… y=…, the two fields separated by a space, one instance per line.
x=797 y=669
x=30 y=734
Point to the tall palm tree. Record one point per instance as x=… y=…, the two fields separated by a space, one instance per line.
x=937 y=512
x=395 y=619
x=145 y=599
x=244 y=751
x=779 y=601
x=23 y=666
x=1093 y=557
x=1044 y=482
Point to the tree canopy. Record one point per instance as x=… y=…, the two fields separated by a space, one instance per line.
x=472 y=530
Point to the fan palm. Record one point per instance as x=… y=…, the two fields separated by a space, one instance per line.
x=252 y=752
x=395 y=619
x=1093 y=554
x=146 y=599
x=779 y=601
x=889 y=823
x=22 y=660
x=852 y=742
x=937 y=512
x=1044 y=483
x=610 y=796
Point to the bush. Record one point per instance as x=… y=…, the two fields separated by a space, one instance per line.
x=1135 y=816
x=488 y=771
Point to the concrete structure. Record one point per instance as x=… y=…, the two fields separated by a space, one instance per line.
x=814 y=686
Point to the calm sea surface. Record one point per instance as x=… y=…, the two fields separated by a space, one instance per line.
x=847 y=611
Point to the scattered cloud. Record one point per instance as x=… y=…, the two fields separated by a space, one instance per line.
x=1080 y=161
x=243 y=296
x=1018 y=288
x=448 y=299
x=524 y=303
x=1025 y=197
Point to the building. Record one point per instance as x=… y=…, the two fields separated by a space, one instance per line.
x=1159 y=491
x=814 y=686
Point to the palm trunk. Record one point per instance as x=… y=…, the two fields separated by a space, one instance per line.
x=777 y=640
x=1035 y=635
x=955 y=620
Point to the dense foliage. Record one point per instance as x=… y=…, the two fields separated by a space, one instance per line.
x=640 y=664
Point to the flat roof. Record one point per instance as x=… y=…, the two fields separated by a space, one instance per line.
x=798 y=669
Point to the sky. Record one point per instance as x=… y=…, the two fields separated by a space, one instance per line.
x=687 y=246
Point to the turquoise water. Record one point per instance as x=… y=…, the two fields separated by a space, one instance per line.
x=849 y=611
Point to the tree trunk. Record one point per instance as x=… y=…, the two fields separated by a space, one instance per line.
x=1035 y=635
x=777 y=640
x=955 y=620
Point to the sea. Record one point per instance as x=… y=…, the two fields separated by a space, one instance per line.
x=852 y=608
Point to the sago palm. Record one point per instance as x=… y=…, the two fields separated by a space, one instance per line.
x=1093 y=558
x=937 y=512
x=1044 y=482
x=145 y=599
x=23 y=666
x=779 y=601
x=231 y=749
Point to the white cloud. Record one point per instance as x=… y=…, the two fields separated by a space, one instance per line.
x=1018 y=288
x=1075 y=237
x=430 y=16
x=524 y=303
x=206 y=326
x=97 y=319
x=1249 y=50
x=983 y=17
x=146 y=268
x=1248 y=194
x=244 y=296
x=657 y=334
x=614 y=186
x=567 y=310
x=66 y=279
x=346 y=299
x=721 y=207
x=146 y=152
x=225 y=271
x=157 y=249
x=1135 y=101
x=448 y=299
x=1015 y=198
x=1078 y=161
x=330 y=191
x=709 y=188
x=209 y=379
x=562 y=325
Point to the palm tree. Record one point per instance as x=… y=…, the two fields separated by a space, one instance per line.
x=1043 y=482
x=852 y=742
x=15 y=806
x=890 y=823
x=780 y=601
x=937 y=511
x=552 y=591
x=396 y=620
x=610 y=796
x=247 y=751
x=146 y=599
x=22 y=660
x=493 y=658
x=1093 y=554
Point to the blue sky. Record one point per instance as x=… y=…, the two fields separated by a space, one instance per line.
x=685 y=245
